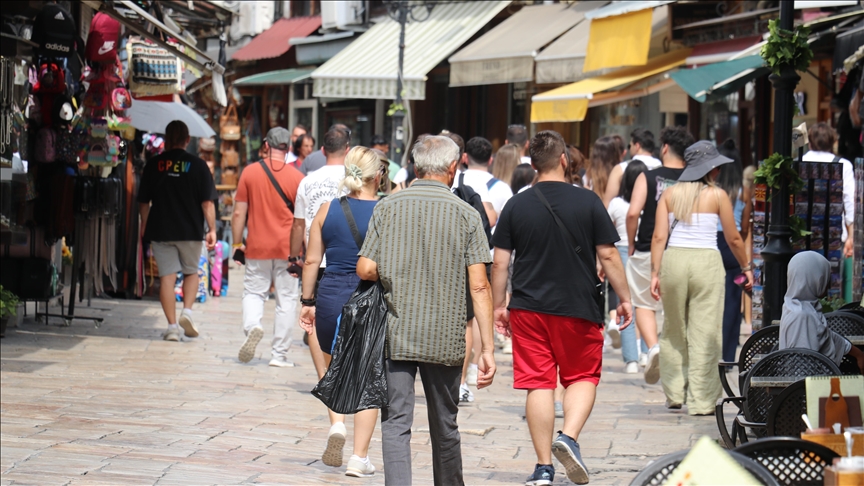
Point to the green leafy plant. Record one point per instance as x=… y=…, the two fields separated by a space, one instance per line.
x=831 y=304
x=771 y=173
x=8 y=302
x=772 y=170
x=787 y=48
x=394 y=107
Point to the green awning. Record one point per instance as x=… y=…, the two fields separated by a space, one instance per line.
x=721 y=78
x=283 y=76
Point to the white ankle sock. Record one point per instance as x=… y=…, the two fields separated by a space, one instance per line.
x=188 y=312
x=173 y=327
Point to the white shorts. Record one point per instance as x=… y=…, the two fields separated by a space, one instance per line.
x=176 y=256
x=639 y=280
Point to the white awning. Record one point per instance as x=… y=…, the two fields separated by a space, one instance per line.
x=368 y=67
x=624 y=7
x=506 y=53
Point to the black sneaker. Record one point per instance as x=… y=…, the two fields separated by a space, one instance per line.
x=566 y=450
x=543 y=475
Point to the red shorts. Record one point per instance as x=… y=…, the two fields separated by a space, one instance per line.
x=543 y=342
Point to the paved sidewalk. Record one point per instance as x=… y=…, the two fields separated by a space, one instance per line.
x=117 y=405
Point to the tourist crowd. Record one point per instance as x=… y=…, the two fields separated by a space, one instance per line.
x=537 y=248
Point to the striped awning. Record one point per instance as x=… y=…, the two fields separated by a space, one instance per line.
x=368 y=67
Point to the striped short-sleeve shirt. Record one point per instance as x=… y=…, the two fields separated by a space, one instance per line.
x=423 y=238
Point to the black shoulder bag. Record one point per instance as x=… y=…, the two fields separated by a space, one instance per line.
x=599 y=296
x=352 y=224
x=276 y=186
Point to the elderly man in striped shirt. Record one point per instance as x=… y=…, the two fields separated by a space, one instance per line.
x=419 y=244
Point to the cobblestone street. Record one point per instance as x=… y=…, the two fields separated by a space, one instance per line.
x=117 y=405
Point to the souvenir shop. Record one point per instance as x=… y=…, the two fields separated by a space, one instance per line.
x=82 y=96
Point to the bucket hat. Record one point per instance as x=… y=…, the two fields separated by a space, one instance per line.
x=702 y=157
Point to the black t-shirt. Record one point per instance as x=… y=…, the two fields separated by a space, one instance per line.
x=658 y=180
x=176 y=182
x=547 y=278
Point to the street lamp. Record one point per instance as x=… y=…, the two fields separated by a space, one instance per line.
x=778 y=250
x=402 y=11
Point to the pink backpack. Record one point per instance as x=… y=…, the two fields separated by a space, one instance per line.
x=46 y=142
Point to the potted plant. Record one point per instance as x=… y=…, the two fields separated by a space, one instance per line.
x=8 y=305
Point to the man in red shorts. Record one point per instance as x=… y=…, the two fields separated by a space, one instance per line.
x=557 y=232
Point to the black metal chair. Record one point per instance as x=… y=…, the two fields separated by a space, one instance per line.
x=784 y=417
x=756 y=400
x=792 y=461
x=656 y=472
x=845 y=323
x=762 y=341
x=853 y=307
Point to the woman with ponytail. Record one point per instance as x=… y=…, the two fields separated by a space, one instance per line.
x=332 y=237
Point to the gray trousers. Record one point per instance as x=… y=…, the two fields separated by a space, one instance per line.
x=441 y=384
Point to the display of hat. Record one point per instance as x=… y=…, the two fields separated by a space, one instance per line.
x=702 y=157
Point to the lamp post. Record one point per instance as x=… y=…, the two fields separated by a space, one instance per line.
x=778 y=250
x=402 y=11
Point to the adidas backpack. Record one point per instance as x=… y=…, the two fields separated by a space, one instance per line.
x=54 y=31
x=103 y=40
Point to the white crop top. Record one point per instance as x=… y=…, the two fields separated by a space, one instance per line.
x=700 y=232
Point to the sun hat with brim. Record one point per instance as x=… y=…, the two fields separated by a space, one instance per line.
x=702 y=157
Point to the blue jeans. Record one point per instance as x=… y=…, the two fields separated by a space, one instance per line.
x=629 y=350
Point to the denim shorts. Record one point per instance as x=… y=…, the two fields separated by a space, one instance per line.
x=334 y=290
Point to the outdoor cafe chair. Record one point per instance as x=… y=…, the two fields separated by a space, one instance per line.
x=656 y=472
x=845 y=323
x=854 y=307
x=765 y=380
x=761 y=342
x=792 y=461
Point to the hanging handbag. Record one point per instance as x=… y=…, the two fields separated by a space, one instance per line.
x=207 y=144
x=230 y=157
x=229 y=124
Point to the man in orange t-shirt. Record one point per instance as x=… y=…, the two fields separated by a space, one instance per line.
x=267 y=246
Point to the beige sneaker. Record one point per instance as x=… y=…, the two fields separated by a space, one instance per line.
x=188 y=326
x=359 y=468
x=247 y=351
x=508 y=346
x=171 y=335
x=335 y=443
x=652 y=371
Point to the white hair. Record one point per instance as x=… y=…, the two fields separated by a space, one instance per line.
x=434 y=154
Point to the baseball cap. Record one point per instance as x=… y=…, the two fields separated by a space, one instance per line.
x=278 y=138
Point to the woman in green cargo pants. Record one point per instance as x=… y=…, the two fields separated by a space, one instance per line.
x=687 y=270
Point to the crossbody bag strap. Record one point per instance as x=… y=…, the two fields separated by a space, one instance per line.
x=567 y=234
x=276 y=186
x=352 y=224
x=671 y=229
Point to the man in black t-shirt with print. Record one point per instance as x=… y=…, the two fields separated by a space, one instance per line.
x=647 y=190
x=175 y=198
x=554 y=314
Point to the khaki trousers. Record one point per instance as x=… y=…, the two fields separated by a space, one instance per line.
x=692 y=283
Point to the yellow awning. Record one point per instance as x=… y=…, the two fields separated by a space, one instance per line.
x=621 y=40
x=570 y=102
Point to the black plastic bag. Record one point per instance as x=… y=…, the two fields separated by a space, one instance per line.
x=355 y=380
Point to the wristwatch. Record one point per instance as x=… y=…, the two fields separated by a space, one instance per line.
x=308 y=302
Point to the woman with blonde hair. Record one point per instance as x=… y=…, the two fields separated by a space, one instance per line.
x=604 y=158
x=691 y=277
x=337 y=233
x=506 y=160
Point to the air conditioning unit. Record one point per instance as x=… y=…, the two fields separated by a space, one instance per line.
x=341 y=14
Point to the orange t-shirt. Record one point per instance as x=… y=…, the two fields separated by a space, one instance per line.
x=269 y=220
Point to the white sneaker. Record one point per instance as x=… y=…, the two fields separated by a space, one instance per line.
x=281 y=362
x=465 y=395
x=508 y=346
x=652 y=370
x=335 y=442
x=188 y=326
x=171 y=335
x=247 y=351
x=614 y=334
x=471 y=376
x=643 y=359
x=631 y=368
x=359 y=467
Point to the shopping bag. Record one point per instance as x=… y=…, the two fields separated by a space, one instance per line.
x=355 y=380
